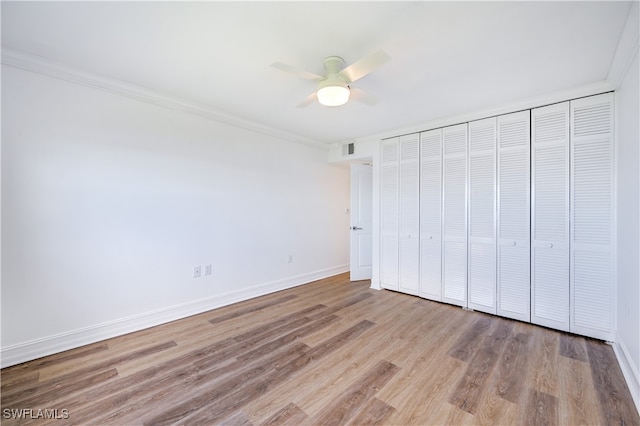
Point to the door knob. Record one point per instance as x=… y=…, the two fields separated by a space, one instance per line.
x=356 y=228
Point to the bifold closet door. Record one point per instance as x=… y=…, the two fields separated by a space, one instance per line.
x=389 y=195
x=431 y=214
x=482 y=215
x=550 y=216
x=513 y=216
x=454 y=237
x=409 y=226
x=592 y=203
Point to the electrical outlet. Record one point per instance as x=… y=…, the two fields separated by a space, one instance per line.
x=197 y=271
x=207 y=269
x=290 y=259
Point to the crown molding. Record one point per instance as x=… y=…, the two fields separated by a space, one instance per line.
x=628 y=47
x=49 y=68
x=506 y=108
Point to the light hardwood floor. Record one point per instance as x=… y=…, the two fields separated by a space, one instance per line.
x=330 y=352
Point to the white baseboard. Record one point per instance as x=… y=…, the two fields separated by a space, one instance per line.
x=629 y=370
x=38 y=348
x=375 y=284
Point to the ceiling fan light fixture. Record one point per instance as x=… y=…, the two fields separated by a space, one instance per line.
x=334 y=87
x=333 y=93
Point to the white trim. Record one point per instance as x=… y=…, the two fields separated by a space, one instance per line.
x=629 y=371
x=46 y=67
x=531 y=103
x=627 y=47
x=37 y=348
x=376 y=281
x=375 y=285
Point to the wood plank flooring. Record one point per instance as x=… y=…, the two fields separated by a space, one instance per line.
x=327 y=353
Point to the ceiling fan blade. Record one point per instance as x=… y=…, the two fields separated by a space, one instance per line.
x=362 y=96
x=365 y=65
x=308 y=100
x=297 y=71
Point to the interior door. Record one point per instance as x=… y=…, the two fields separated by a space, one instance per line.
x=482 y=215
x=389 y=214
x=550 y=216
x=513 y=216
x=454 y=251
x=361 y=224
x=592 y=212
x=431 y=214
x=409 y=224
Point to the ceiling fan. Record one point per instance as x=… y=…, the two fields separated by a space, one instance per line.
x=334 y=88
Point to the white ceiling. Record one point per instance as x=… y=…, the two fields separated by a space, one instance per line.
x=448 y=58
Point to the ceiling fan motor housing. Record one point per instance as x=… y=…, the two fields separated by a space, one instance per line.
x=333 y=65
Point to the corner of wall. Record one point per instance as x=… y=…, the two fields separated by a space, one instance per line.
x=627 y=47
x=626 y=54
x=375 y=285
x=630 y=373
x=365 y=150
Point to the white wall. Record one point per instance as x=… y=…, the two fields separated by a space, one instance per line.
x=108 y=203
x=628 y=226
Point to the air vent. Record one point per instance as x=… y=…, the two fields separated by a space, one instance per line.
x=348 y=148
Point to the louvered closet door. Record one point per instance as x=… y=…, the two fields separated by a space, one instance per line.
x=454 y=247
x=550 y=216
x=409 y=214
x=513 y=216
x=592 y=190
x=482 y=215
x=431 y=214
x=389 y=214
